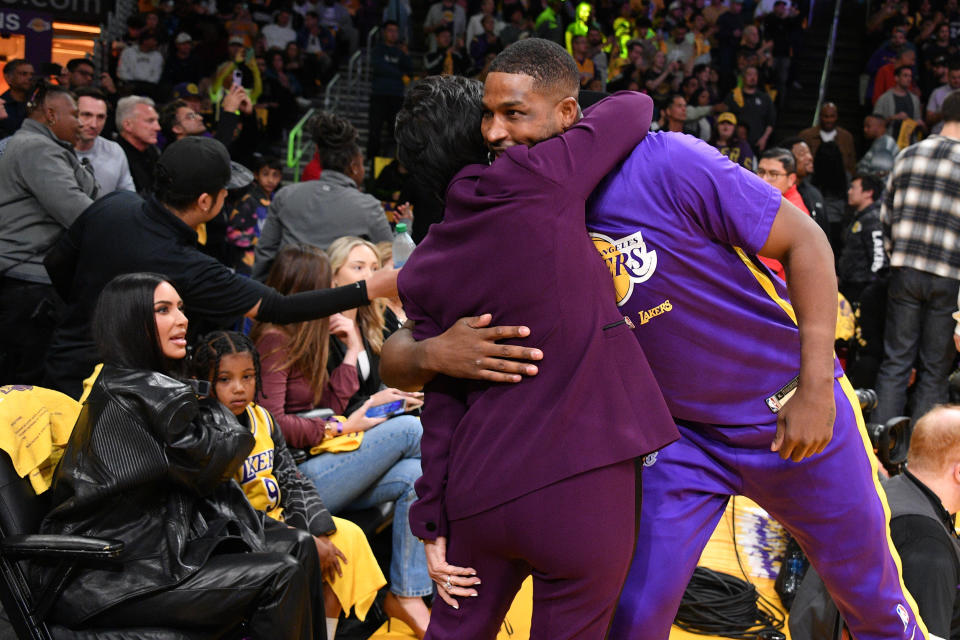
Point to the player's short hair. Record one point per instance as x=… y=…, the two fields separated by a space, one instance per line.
x=549 y=64
x=935 y=440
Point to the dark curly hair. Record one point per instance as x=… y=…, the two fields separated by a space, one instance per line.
x=210 y=349
x=549 y=64
x=438 y=130
x=336 y=140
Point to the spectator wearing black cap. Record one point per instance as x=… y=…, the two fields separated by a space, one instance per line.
x=158 y=234
x=182 y=65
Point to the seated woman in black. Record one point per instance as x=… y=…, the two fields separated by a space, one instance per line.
x=149 y=464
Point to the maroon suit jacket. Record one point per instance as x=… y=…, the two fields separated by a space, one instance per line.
x=513 y=243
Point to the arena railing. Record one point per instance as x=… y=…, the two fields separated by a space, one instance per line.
x=827 y=62
x=296 y=147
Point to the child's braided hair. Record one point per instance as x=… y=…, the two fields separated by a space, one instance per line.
x=211 y=347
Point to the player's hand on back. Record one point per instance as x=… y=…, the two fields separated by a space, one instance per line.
x=471 y=349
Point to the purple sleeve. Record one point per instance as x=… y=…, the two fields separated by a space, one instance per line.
x=731 y=204
x=442 y=411
x=586 y=152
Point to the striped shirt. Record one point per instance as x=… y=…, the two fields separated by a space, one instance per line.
x=921 y=208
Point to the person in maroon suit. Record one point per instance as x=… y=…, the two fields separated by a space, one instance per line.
x=517 y=477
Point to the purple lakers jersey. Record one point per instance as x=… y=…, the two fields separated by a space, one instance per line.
x=679 y=227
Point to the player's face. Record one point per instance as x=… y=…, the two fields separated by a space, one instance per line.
x=514 y=112
x=236 y=381
x=171 y=323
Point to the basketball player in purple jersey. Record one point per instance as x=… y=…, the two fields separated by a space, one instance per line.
x=761 y=402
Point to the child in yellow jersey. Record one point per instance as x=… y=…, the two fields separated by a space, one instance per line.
x=269 y=477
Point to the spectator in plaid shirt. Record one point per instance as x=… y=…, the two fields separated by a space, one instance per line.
x=921 y=224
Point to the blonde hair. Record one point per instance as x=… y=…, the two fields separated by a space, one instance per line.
x=935 y=442
x=369 y=318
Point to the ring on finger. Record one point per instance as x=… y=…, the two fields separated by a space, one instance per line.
x=447 y=585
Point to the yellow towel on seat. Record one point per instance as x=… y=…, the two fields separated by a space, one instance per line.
x=362 y=577
x=35 y=425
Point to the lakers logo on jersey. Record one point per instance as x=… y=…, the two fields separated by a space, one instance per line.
x=629 y=261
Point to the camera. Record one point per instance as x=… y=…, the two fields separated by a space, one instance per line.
x=890 y=441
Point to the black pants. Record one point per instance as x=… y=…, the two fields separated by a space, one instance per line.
x=279 y=593
x=383 y=110
x=28 y=315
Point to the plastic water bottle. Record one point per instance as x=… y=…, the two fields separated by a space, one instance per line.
x=403 y=245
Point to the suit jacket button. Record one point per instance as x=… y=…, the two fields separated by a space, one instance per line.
x=431 y=526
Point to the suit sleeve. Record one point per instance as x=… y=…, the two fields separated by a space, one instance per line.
x=443 y=409
x=586 y=152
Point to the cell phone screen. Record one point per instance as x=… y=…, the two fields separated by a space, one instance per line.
x=388 y=409
x=238 y=78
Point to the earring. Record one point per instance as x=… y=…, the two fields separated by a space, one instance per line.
x=490 y=157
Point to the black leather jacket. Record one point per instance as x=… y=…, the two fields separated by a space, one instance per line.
x=148 y=464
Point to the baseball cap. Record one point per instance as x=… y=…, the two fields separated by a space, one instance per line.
x=186 y=90
x=183 y=37
x=236 y=40
x=727 y=116
x=193 y=166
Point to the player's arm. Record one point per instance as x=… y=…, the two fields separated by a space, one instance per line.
x=468 y=349
x=805 y=424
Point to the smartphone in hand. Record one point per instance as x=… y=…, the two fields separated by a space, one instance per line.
x=387 y=410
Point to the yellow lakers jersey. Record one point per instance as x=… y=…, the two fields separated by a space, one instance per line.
x=256 y=473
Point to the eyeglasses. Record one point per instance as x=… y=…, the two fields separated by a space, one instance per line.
x=763 y=173
x=191 y=115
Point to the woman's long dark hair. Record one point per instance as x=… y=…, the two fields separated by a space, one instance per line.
x=438 y=130
x=124 y=326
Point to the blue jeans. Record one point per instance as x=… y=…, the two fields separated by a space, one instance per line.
x=919 y=330
x=384 y=468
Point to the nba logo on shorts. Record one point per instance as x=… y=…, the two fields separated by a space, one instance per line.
x=904 y=616
x=650 y=459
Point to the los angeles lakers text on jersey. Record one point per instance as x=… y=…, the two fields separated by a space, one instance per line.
x=629 y=261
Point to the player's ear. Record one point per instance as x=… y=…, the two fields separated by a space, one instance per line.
x=569 y=112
